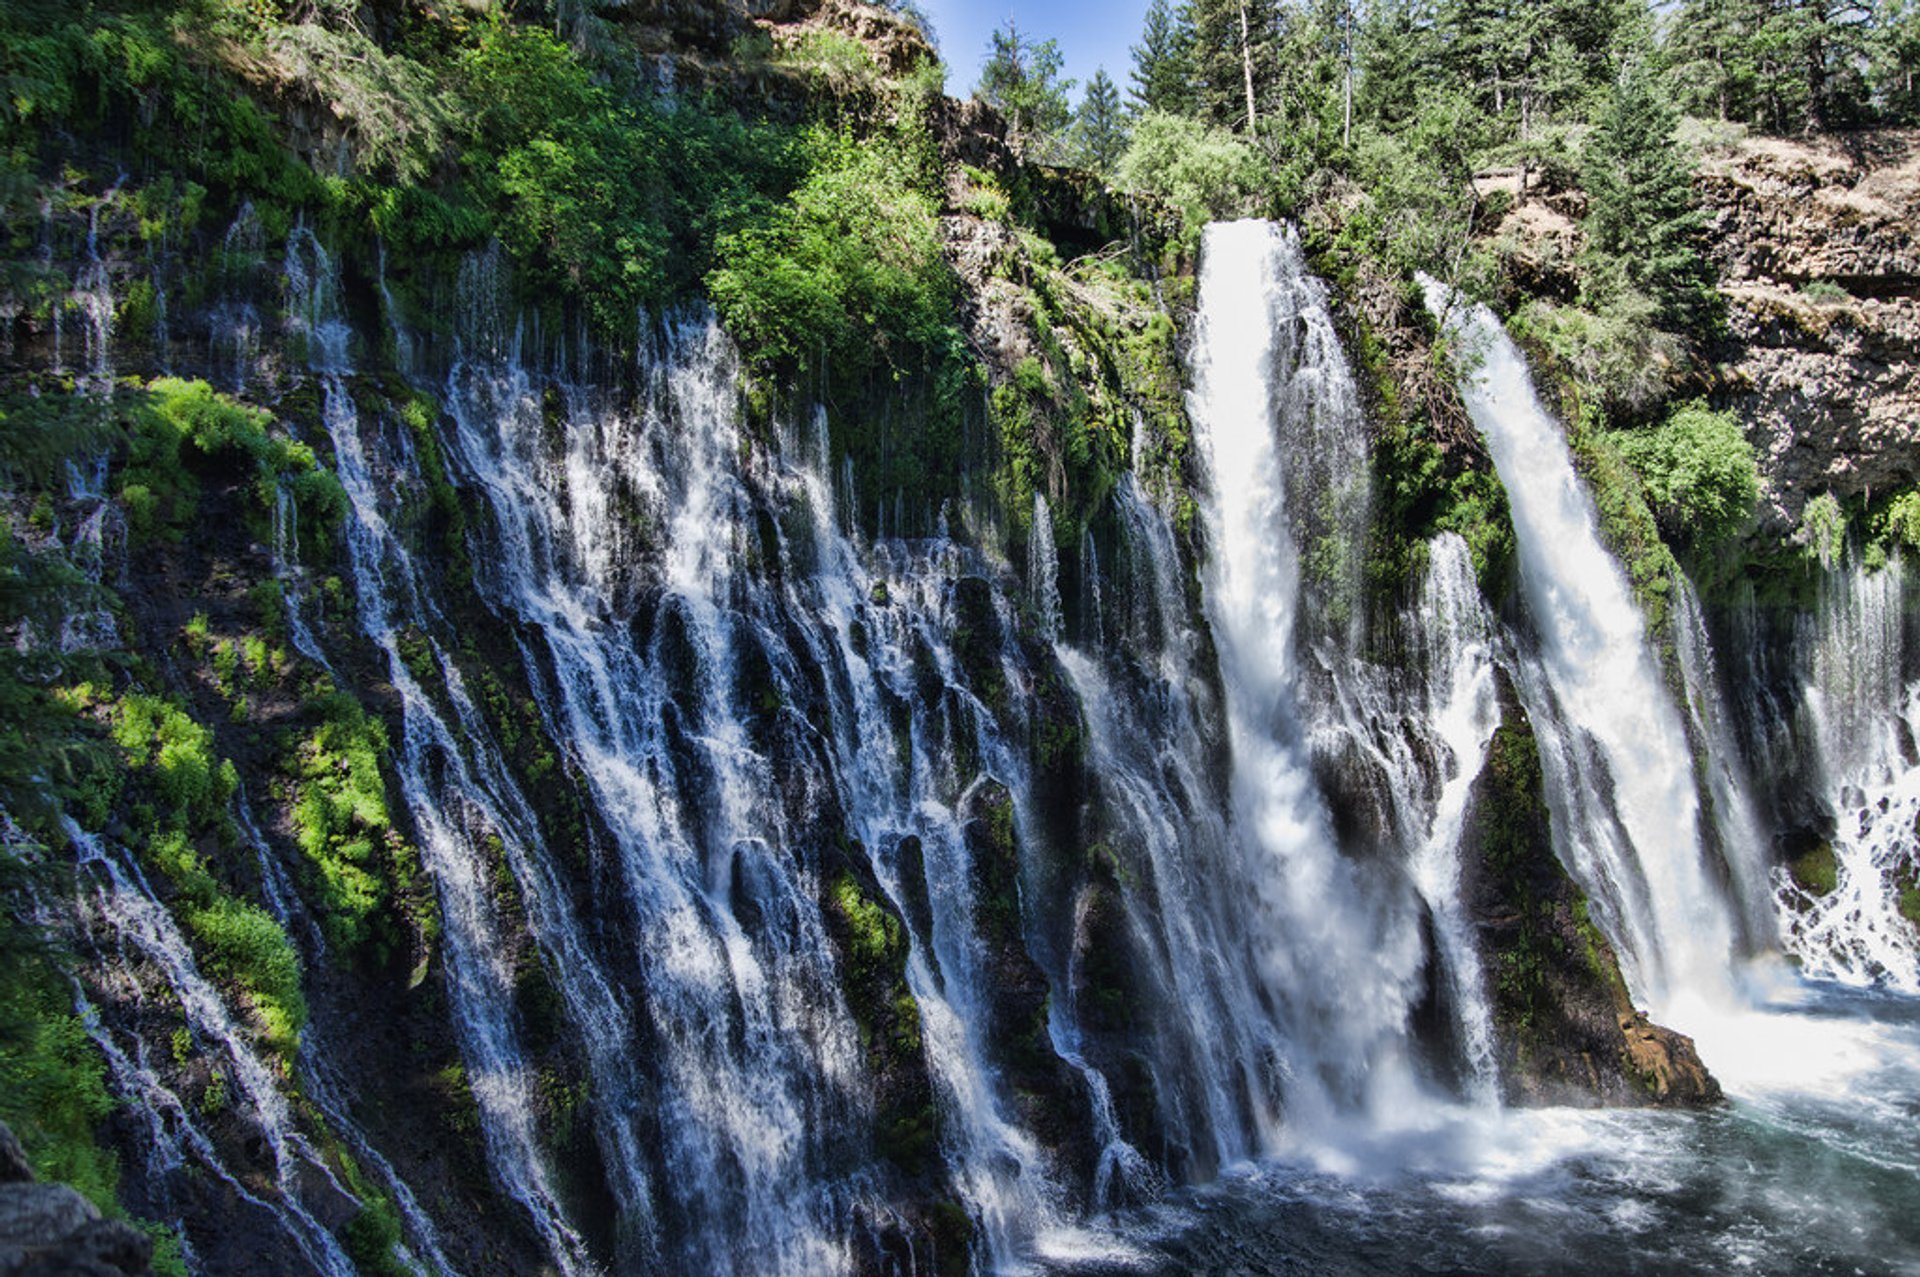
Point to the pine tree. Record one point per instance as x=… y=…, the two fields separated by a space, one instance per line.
x=1100 y=125
x=1022 y=79
x=1399 y=57
x=1163 y=61
x=1642 y=224
x=1236 y=59
x=1895 y=62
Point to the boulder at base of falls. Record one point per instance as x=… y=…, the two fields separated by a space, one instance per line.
x=1666 y=1064
x=1565 y=1027
x=49 y=1230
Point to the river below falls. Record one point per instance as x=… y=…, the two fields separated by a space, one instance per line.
x=1812 y=1166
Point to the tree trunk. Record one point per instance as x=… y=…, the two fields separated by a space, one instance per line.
x=1246 y=65
x=1346 y=121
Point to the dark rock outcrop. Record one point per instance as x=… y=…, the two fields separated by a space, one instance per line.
x=1567 y=1030
x=49 y=1230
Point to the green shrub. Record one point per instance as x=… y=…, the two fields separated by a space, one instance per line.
x=1204 y=171
x=53 y=1088
x=1900 y=523
x=340 y=815
x=612 y=201
x=177 y=428
x=1699 y=472
x=848 y=270
x=243 y=943
x=1823 y=524
x=159 y=735
x=1615 y=352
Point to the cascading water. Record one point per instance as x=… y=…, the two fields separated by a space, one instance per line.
x=126 y=912
x=1148 y=743
x=454 y=812
x=1620 y=772
x=1860 y=718
x=1337 y=950
x=1460 y=712
x=1741 y=840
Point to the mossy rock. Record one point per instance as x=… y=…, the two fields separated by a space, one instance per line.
x=1816 y=871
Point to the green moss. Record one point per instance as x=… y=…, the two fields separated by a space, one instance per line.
x=876 y=942
x=342 y=823
x=1816 y=870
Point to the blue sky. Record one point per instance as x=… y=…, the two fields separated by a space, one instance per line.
x=1092 y=34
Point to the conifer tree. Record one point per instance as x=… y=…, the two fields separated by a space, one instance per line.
x=1236 y=59
x=1100 y=125
x=1022 y=79
x=1642 y=223
x=1163 y=61
x=1895 y=62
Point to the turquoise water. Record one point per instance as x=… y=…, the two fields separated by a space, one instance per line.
x=1813 y=1166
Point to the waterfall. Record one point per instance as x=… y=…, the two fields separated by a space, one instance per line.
x=1740 y=835
x=1461 y=712
x=145 y=936
x=454 y=812
x=1615 y=754
x=1860 y=711
x=1337 y=948
x=1148 y=745
x=1043 y=569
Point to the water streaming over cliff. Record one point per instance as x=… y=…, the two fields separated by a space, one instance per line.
x=1620 y=772
x=1855 y=730
x=821 y=916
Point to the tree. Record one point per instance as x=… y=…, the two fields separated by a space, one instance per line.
x=1236 y=62
x=1700 y=474
x=1782 y=65
x=1642 y=224
x=1163 y=61
x=1100 y=125
x=1895 y=62
x=1711 y=49
x=1399 y=52
x=1201 y=169
x=1022 y=78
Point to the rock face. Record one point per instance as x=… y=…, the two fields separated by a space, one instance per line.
x=49 y=1230
x=1567 y=1029
x=1815 y=245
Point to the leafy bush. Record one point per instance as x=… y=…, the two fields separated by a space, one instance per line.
x=1900 y=524
x=340 y=815
x=1615 y=352
x=178 y=427
x=53 y=1089
x=615 y=202
x=243 y=942
x=1823 y=526
x=848 y=269
x=1700 y=474
x=159 y=735
x=1204 y=171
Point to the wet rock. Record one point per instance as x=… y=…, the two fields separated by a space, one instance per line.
x=1566 y=1030
x=1666 y=1064
x=49 y=1230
